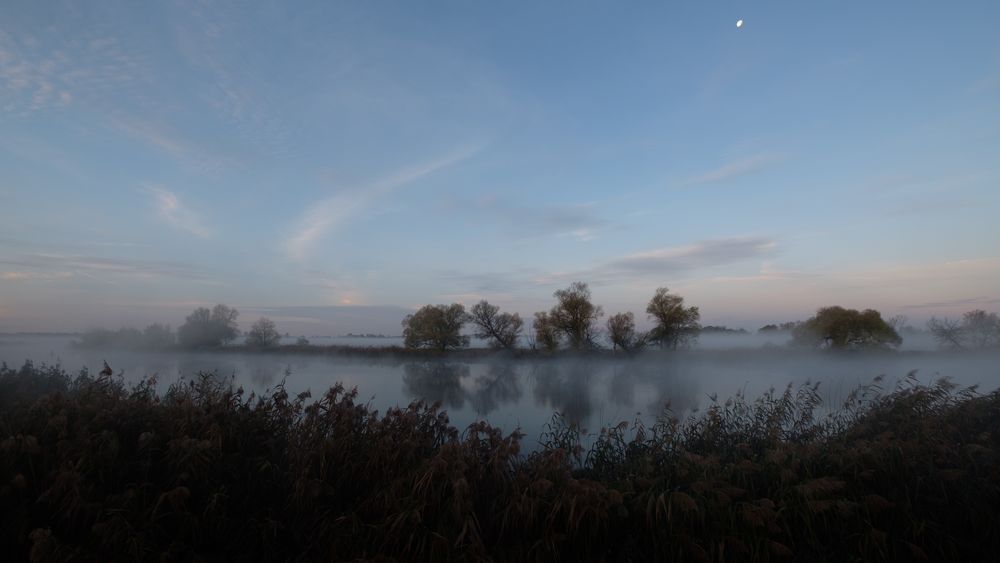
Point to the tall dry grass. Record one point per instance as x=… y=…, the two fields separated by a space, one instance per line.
x=92 y=470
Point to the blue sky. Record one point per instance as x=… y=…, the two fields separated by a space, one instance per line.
x=158 y=156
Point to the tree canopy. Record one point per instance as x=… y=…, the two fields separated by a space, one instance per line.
x=545 y=335
x=501 y=329
x=621 y=332
x=205 y=327
x=840 y=328
x=438 y=327
x=574 y=316
x=675 y=325
x=263 y=334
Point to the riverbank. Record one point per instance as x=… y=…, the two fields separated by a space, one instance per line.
x=92 y=471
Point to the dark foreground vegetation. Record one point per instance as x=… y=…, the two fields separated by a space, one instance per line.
x=91 y=470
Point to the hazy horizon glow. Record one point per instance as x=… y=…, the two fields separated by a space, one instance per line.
x=286 y=159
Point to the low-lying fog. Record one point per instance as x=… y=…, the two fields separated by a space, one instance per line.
x=525 y=393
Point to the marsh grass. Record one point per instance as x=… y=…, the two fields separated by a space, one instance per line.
x=93 y=470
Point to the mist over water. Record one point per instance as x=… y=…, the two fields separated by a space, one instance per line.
x=524 y=393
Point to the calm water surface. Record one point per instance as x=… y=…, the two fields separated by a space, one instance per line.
x=525 y=393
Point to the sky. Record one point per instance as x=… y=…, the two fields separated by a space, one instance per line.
x=313 y=161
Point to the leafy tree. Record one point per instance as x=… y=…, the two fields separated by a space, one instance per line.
x=502 y=329
x=437 y=327
x=675 y=325
x=545 y=332
x=263 y=334
x=621 y=332
x=836 y=327
x=575 y=317
x=302 y=341
x=205 y=327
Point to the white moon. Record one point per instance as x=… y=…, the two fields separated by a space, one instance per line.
x=739 y=23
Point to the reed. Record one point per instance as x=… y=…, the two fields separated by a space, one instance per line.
x=94 y=470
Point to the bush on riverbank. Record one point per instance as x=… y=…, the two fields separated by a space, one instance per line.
x=93 y=471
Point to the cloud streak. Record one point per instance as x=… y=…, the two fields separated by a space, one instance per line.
x=328 y=214
x=970 y=302
x=52 y=266
x=651 y=264
x=703 y=254
x=737 y=168
x=177 y=214
x=577 y=221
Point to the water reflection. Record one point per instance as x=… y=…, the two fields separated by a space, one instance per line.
x=621 y=386
x=673 y=389
x=498 y=386
x=436 y=382
x=523 y=392
x=565 y=388
x=188 y=366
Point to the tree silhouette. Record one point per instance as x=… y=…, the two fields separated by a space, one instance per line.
x=675 y=325
x=437 y=327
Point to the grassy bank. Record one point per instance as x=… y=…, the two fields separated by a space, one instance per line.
x=93 y=471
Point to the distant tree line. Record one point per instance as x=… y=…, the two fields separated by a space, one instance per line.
x=572 y=323
x=203 y=328
x=783 y=327
x=154 y=337
x=713 y=329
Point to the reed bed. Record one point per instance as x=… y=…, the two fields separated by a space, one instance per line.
x=94 y=470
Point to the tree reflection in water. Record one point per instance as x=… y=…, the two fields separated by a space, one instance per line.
x=498 y=386
x=675 y=389
x=436 y=382
x=621 y=386
x=565 y=388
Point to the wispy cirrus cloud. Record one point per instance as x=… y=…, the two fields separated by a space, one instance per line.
x=737 y=168
x=657 y=263
x=52 y=266
x=968 y=302
x=327 y=214
x=702 y=254
x=489 y=282
x=577 y=220
x=177 y=214
x=34 y=276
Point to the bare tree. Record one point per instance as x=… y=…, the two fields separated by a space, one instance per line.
x=502 y=329
x=977 y=329
x=263 y=334
x=675 y=324
x=898 y=323
x=982 y=329
x=575 y=317
x=948 y=333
